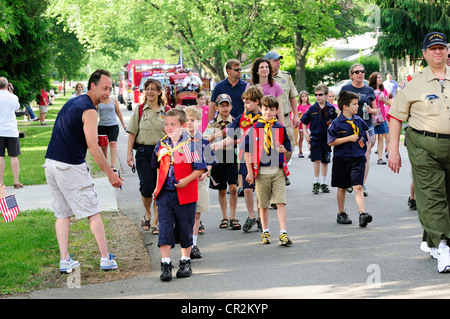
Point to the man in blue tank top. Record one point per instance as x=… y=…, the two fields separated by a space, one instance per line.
x=67 y=172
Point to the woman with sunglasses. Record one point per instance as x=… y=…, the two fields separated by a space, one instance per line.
x=366 y=97
x=145 y=129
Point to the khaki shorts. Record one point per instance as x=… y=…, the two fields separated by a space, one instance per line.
x=289 y=129
x=72 y=189
x=203 y=196
x=270 y=186
x=43 y=108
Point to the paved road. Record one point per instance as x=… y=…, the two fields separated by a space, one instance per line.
x=327 y=260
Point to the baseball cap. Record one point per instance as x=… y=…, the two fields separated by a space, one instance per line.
x=434 y=38
x=272 y=55
x=223 y=98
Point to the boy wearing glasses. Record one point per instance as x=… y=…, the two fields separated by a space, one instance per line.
x=319 y=117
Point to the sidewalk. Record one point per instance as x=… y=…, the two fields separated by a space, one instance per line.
x=38 y=196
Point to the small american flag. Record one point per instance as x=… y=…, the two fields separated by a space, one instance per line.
x=9 y=208
x=190 y=156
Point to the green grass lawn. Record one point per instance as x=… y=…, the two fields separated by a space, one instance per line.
x=29 y=254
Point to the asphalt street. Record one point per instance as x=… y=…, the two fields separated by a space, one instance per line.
x=326 y=260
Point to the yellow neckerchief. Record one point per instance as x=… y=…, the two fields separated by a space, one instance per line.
x=249 y=118
x=354 y=127
x=268 y=141
x=166 y=149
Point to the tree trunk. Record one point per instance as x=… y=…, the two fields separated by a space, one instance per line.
x=301 y=49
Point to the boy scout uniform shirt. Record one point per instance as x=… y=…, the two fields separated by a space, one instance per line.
x=150 y=128
x=284 y=79
x=219 y=124
x=424 y=103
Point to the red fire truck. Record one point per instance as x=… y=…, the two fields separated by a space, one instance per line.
x=136 y=72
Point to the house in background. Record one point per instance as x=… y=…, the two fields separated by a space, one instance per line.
x=350 y=49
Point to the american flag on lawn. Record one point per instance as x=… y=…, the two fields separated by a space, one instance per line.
x=190 y=156
x=9 y=208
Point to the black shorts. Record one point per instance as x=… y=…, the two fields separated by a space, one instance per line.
x=12 y=144
x=223 y=174
x=347 y=172
x=111 y=131
x=320 y=151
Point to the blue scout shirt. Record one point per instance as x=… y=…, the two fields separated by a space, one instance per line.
x=366 y=95
x=204 y=145
x=274 y=158
x=170 y=181
x=235 y=92
x=319 y=120
x=342 y=128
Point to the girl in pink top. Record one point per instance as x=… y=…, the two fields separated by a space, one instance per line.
x=303 y=106
x=201 y=104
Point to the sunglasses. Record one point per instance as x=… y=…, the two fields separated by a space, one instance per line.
x=319 y=94
x=237 y=70
x=359 y=71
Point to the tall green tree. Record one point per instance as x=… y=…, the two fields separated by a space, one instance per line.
x=311 y=22
x=24 y=51
x=405 y=23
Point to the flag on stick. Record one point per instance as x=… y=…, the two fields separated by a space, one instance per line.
x=190 y=156
x=180 y=59
x=9 y=208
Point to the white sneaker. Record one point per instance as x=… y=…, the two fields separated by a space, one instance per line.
x=108 y=263
x=66 y=266
x=443 y=258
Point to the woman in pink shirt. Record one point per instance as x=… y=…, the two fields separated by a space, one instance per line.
x=262 y=77
x=383 y=103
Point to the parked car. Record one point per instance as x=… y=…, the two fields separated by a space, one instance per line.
x=337 y=87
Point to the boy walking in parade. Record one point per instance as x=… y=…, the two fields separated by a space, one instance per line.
x=238 y=129
x=226 y=170
x=179 y=165
x=319 y=117
x=348 y=136
x=266 y=144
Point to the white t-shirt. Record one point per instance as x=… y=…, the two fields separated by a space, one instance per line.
x=192 y=82
x=9 y=104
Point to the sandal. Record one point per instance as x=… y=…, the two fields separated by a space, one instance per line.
x=145 y=224
x=155 y=230
x=201 y=228
x=224 y=223
x=234 y=224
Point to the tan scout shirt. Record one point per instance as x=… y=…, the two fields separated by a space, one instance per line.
x=150 y=129
x=423 y=104
x=284 y=79
x=218 y=124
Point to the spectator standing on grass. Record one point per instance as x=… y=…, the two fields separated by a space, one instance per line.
x=43 y=106
x=67 y=173
x=9 y=134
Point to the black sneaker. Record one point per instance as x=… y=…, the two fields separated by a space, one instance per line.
x=412 y=204
x=342 y=218
x=364 y=219
x=249 y=222
x=185 y=269
x=166 y=271
x=324 y=188
x=195 y=253
x=316 y=187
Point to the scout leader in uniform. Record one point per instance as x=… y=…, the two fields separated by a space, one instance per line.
x=425 y=104
x=179 y=164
